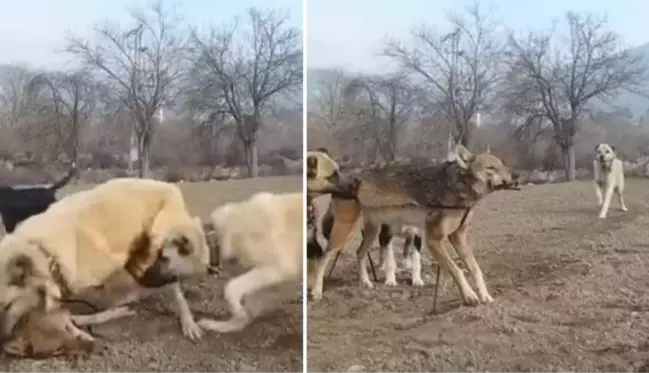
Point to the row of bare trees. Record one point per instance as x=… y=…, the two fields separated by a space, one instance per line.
x=540 y=82
x=226 y=79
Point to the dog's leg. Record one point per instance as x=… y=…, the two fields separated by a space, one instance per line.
x=102 y=317
x=321 y=268
x=189 y=327
x=598 y=193
x=618 y=191
x=369 y=234
x=248 y=283
x=387 y=255
x=459 y=242
x=436 y=247
x=415 y=269
x=608 y=194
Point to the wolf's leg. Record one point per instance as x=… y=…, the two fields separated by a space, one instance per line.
x=608 y=194
x=459 y=241
x=248 y=283
x=369 y=235
x=389 y=265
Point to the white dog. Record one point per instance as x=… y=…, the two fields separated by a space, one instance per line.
x=264 y=236
x=609 y=177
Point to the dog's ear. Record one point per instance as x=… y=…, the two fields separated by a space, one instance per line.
x=183 y=244
x=596 y=147
x=311 y=167
x=463 y=156
x=613 y=148
x=16 y=347
x=20 y=269
x=323 y=150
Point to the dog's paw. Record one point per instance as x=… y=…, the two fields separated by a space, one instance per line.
x=418 y=282
x=191 y=329
x=486 y=298
x=391 y=282
x=602 y=216
x=367 y=283
x=471 y=298
x=625 y=209
x=316 y=294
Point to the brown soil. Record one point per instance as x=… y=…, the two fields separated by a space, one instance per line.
x=570 y=294
x=153 y=341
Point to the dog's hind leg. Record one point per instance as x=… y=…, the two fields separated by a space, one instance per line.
x=459 y=241
x=248 y=283
x=389 y=265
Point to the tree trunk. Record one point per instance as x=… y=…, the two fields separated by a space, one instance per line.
x=144 y=150
x=569 y=161
x=252 y=158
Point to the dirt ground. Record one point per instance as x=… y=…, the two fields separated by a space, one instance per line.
x=153 y=341
x=570 y=295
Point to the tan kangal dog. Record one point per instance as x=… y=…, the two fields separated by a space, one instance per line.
x=82 y=241
x=437 y=198
x=263 y=235
x=608 y=174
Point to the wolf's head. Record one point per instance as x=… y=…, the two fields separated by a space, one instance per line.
x=43 y=335
x=26 y=283
x=488 y=170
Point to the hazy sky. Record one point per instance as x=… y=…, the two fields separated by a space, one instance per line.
x=31 y=30
x=347 y=33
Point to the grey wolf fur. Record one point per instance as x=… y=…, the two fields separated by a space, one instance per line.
x=263 y=235
x=81 y=241
x=19 y=202
x=608 y=173
x=438 y=199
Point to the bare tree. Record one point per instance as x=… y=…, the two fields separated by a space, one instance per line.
x=329 y=106
x=554 y=78
x=390 y=101
x=141 y=64
x=15 y=98
x=458 y=68
x=70 y=101
x=248 y=71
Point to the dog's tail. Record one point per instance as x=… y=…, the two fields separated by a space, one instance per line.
x=65 y=179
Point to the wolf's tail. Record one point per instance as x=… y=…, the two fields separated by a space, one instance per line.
x=65 y=179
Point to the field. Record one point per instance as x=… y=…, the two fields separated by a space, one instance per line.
x=152 y=341
x=570 y=290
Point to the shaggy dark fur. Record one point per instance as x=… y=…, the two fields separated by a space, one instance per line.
x=19 y=202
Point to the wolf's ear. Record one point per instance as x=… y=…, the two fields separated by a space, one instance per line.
x=463 y=156
x=20 y=269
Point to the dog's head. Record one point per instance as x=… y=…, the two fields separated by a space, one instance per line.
x=323 y=175
x=185 y=251
x=605 y=153
x=488 y=170
x=26 y=283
